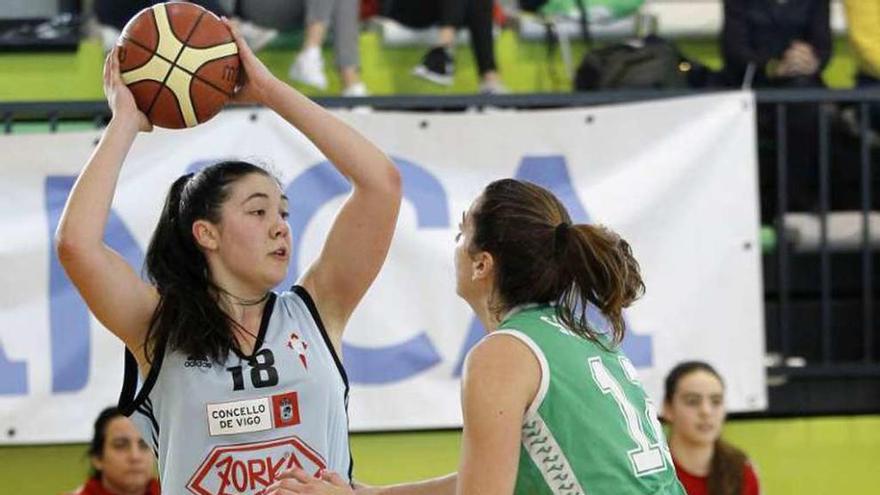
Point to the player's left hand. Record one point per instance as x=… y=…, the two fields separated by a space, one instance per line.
x=255 y=77
x=298 y=481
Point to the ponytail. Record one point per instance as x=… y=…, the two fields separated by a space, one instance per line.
x=540 y=257
x=595 y=267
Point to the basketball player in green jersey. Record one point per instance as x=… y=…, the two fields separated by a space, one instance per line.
x=550 y=405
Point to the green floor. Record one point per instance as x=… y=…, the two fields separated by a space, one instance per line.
x=814 y=456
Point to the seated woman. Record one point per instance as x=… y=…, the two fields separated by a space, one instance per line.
x=122 y=463
x=782 y=45
x=438 y=65
x=693 y=406
x=342 y=17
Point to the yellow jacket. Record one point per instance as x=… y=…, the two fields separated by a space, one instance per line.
x=863 y=19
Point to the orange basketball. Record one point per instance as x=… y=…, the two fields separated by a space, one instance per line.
x=180 y=62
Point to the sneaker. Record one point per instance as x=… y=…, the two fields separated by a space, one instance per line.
x=308 y=68
x=494 y=87
x=437 y=66
x=356 y=90
x=257 y=37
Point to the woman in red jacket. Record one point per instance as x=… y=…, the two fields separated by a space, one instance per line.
x=693 y=406
x=122 y=463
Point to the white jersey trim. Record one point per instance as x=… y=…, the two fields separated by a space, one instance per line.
x=545 y=452
x=542 y=360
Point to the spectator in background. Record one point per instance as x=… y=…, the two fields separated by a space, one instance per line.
x=112 y=16
x=122 y=463
x=782 y=44
x=693 y=406
x=438 y=64
x=308 y=67
x=787 y=42
x=863 y=20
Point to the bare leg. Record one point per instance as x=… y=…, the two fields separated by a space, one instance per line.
x=315 y=33
x=446 y=36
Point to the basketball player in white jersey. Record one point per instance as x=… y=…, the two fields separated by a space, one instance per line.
x=230 y=383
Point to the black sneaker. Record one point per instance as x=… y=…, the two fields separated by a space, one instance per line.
x=437 y=66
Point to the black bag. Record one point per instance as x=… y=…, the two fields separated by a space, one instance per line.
x=648 y=63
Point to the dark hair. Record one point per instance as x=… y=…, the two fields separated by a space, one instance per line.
x=99 y=437
x=726 y=466
x=188 y=317
x=518 y=223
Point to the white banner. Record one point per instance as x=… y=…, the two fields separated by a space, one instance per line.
x=676 y=178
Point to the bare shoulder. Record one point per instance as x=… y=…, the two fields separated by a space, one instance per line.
x=502 y=359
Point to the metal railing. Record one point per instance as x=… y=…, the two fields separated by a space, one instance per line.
x=826 y=361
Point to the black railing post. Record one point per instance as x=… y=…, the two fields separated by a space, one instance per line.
x=782 y=242
x=867 y=243
x=824 y=251
x=53 y=122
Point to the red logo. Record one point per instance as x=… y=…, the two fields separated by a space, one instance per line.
x=247 y=469
x=299 y=346
x=285 y=409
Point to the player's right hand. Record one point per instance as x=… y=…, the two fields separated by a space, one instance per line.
x=119 y=97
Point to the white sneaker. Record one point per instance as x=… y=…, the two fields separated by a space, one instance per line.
x=308 y=68
x=109 y=36
x=356 y=90
x=257 y=37
x=493 y=88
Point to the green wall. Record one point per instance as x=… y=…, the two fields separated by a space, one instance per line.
x=814 y=456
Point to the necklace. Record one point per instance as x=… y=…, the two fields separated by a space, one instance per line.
x=242 y=301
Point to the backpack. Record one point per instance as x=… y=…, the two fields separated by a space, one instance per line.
x=647 y=63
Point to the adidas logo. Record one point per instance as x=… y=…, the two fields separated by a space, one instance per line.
x=197 y=362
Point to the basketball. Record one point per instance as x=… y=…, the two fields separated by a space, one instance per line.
x=180 y=62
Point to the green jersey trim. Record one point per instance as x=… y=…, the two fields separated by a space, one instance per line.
x=542 y=360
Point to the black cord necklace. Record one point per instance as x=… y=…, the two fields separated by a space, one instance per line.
x=245 y=302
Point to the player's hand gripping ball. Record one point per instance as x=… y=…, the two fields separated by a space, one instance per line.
x=180 y=63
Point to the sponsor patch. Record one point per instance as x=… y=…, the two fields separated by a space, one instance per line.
x=249 y=468
x=243 y=416
x=285 y=409
x=246 y=416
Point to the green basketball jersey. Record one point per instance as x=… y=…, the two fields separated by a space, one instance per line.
x=591 y=429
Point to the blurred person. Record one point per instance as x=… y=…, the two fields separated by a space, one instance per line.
x=112 y=15
x=122 y=463
x=438 y=64
x=550 y=403
x=863 y=24
x=308 y=66
x=782 y=44
x=693 y=406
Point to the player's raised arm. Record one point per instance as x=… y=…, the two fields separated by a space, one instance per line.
x=361 y=234
x=111 y=288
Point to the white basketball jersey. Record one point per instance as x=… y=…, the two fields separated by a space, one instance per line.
x=233 y=428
